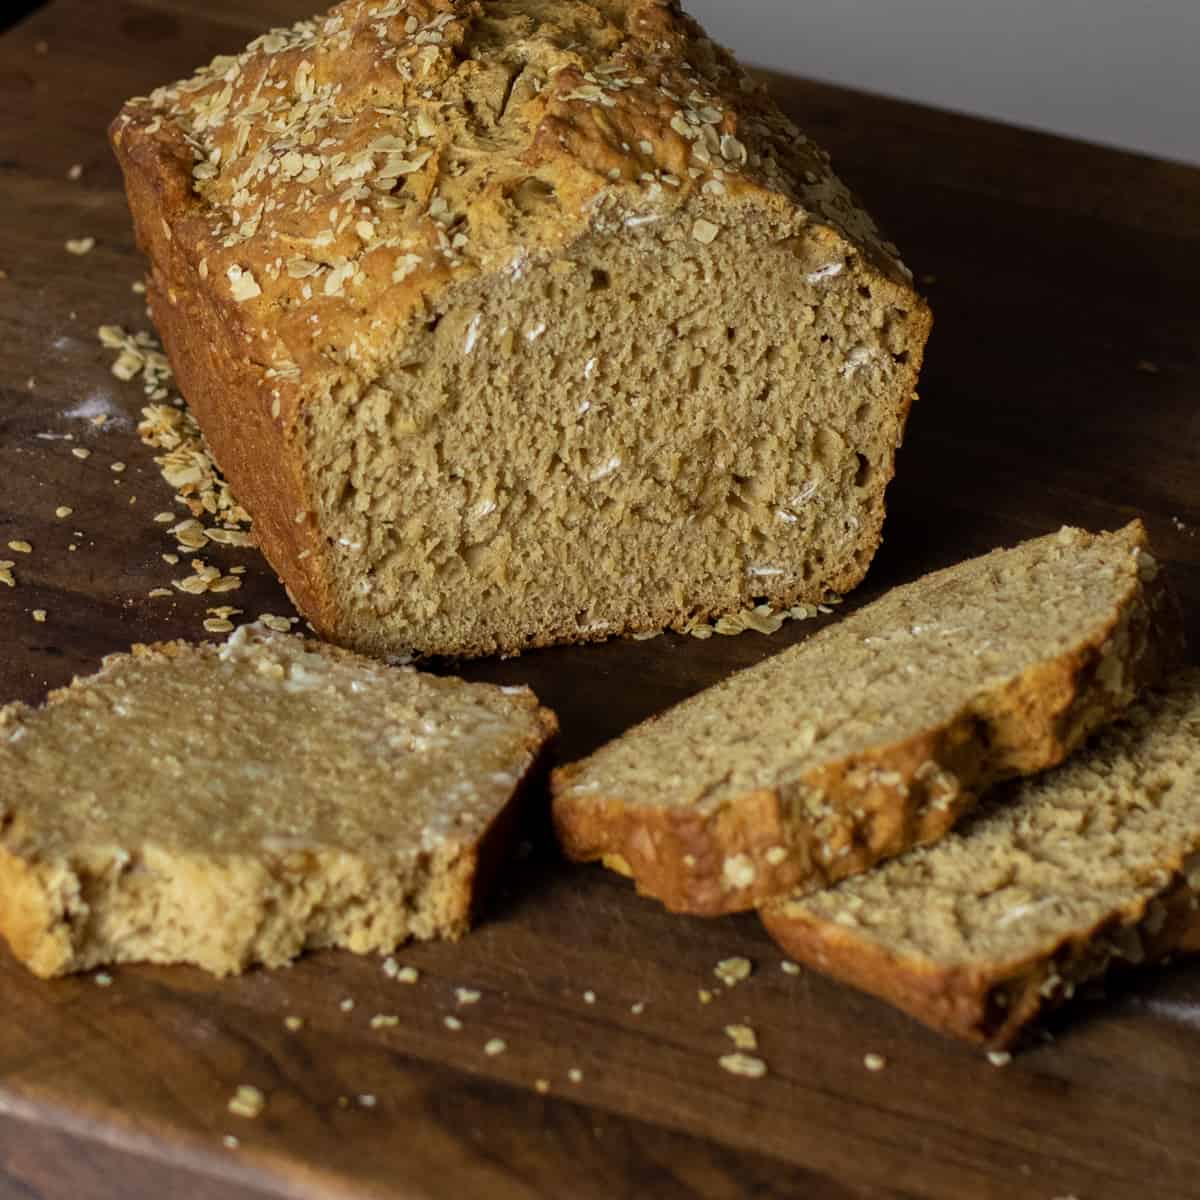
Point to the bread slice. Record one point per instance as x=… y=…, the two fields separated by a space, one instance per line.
x=1045 y=886
x=232 y=804
x=481 y=305
x=876 y=733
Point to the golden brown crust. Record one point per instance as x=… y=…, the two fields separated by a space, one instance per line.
x=623 y=109
x=766 y=844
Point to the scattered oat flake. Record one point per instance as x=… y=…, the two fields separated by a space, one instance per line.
x=21 y=547
x=367 y=1100
x=999 y=1058
x=452 y=1023
x=81 y=452
x=589 y=997
x=280 y=625
x=230 y=1142
x=218 y=625
x=293 y=1024
x=116 y=467
x=6 y=573
x=384 y=1021
x=638 y=1008
x=81 y=245
x=575 y=1075
x=407 y=975
x=743 y=1064
x=704 y=995
x=874 y=1062
x=102 y=979
x=742 y=1036
x=390 y=967
x=75 y=172
x=158 y=593
x=247 y=1101
x=347 y=1005
x=39 y=615
x=63 y=511
x=466 y=995
x=732 y=971
x=542 y=1086
x=495 y=1046
x=789 y=968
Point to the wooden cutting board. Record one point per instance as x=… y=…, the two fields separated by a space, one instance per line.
x=1063 y=385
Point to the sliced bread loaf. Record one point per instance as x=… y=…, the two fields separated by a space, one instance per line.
x=233 y=804
x=479 y=305
x=876 y=733
x=1043 y=887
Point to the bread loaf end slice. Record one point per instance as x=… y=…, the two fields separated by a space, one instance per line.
x=233 y=804
x=879 y=732
x=1055 y=881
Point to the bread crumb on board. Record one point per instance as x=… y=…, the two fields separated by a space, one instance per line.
x=248 y=1101
x=743 y=1064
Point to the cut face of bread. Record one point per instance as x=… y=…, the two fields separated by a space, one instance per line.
x=877 y=733
x=1044 y=887
x=522 y=323
x=227 y=805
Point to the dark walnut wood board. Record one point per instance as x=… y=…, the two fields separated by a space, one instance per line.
x=1061 y=386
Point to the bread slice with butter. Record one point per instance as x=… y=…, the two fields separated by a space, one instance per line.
x=233 y=804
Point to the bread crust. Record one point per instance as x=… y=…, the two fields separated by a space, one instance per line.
x=911 y=792
x=252 y=371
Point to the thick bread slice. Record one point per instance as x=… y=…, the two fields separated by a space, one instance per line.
x=877 y=733
x=481 y=304
x=233 y=804
x=1046 y=886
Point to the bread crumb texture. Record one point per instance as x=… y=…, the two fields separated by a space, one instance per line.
x=227 y=804
x=511 y=295
x=877 y=732
x=1050 y=883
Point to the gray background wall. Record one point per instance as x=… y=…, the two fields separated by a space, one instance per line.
x=1121 y=72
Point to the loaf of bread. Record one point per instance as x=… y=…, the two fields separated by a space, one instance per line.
x=515 y=321
x=234 y=804
x=1042 y=888
x=878 y=732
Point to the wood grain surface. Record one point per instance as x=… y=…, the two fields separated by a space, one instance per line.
x=1062 y=385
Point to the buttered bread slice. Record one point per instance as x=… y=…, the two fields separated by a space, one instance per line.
x=877 y=733
x=1048 y=885
x=232 y=804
